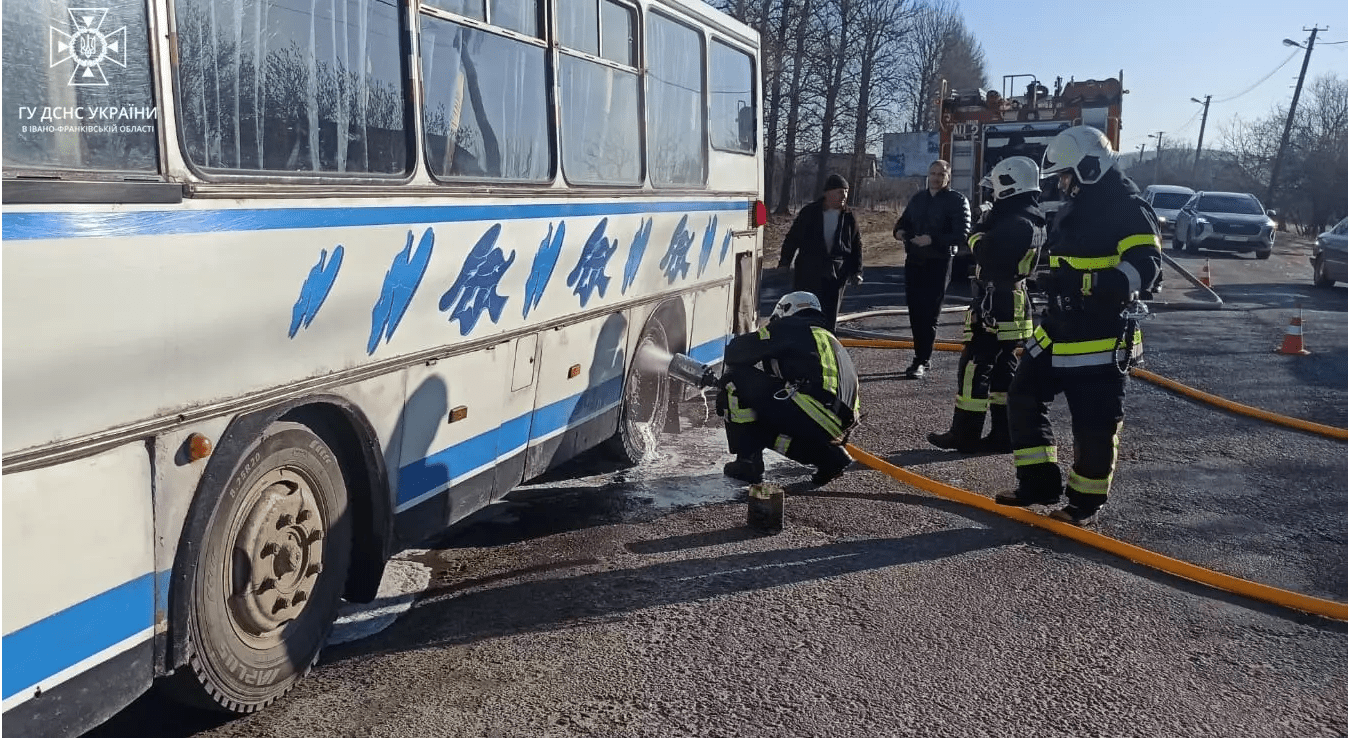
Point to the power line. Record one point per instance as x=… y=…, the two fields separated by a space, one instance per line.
x=1180 y=129
x=1259 y=81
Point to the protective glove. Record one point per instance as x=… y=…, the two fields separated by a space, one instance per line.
x=855 y=280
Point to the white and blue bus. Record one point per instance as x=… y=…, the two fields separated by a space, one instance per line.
x=290 y=284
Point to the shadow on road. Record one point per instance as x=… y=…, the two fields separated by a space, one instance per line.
x=549 y=604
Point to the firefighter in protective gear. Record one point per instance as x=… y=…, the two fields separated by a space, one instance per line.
x=791 y=387
x=1005 y=245
x=1104 y=252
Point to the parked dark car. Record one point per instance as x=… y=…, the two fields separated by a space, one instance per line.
x=1225 y=221
x=1328 y=257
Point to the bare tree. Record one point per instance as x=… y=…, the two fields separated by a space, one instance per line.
x=839 y=17
x=794 y=106
x=962 y=63
x=881 y=28
x=928 y=34
x=1312 y=191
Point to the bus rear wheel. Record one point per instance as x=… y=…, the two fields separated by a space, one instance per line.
x=268 y=576
x=646 y=399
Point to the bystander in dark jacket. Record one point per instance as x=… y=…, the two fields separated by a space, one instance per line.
x=824 y=247
x=933 y=226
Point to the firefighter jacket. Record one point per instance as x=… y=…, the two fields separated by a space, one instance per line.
x=1006 y=245
x=1104 y=251
x=945 y=217
x=818 y=262
x=812 y=363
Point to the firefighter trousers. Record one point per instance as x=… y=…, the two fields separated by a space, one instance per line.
x=985 y=371
x=1096 y=401
x=758 y=420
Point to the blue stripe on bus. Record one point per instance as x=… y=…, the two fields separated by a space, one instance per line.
x=710 y=352
x=59 y=641
x=54 y=224
x=436 y=470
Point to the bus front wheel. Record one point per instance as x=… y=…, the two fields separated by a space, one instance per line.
x=646 y=398
x=269 y=574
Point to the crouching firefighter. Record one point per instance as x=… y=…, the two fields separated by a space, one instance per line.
x=791 y=387
x=1104 y=252
x=1005 y=245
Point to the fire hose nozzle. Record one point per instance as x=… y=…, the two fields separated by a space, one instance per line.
x=691 y=372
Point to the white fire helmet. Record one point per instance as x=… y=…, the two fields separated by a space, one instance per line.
x=1083 y=149
x=793 y=303
x=1013 y=176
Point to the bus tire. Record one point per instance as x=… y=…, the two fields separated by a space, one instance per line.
x=646 y=401
x=268 y=575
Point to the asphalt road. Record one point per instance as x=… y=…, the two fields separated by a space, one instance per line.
x=608 y=602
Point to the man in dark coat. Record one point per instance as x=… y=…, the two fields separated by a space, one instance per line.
x=933 y=226
x=824 y=247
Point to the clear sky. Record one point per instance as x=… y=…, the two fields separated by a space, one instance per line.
x=1169 y=51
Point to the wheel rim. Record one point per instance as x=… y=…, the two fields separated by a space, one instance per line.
x=644 y=400
x=275 y=557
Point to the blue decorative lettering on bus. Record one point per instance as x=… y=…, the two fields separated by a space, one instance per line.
x=589 y=273
x=541 y=271
x=726 y=247
x=400 y=283
x=476 y=288
x=315 y=289
x=675 y=263
x=705 y=253
x=635 y=252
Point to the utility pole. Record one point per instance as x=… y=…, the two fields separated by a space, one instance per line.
x=1289 y=122
x=1157 y=160
x=1201 y=142
x=1141 y=152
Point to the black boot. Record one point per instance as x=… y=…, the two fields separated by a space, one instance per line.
x=832 y=464
x=964 y=435
x=748 y=469
x=999 y=439
x=1081 y=510
x=1037 y=484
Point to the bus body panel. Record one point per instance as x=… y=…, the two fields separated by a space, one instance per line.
x=329 y=299
x=79 y=570
x=708 y=334
x=580 y=388
x=439 y=448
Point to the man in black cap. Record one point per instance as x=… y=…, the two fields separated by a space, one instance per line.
x=827 y=246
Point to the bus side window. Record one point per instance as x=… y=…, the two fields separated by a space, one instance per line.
x=732 y=120
x=676 y=152
x=486 y=109
x=599 y=101
x=77 y=87
x=279 y=88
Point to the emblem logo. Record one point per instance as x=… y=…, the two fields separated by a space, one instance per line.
x=88 y=47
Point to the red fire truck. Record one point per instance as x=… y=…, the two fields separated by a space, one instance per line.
x=979 y=128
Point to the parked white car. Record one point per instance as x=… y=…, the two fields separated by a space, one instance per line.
x=1166 y=201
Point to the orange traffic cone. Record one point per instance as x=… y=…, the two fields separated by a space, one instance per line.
x=1204 y=275
x=1293 y=338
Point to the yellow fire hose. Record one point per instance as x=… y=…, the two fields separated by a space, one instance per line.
x=1284 y=420
x=1252 y=412
x=1284 y=598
